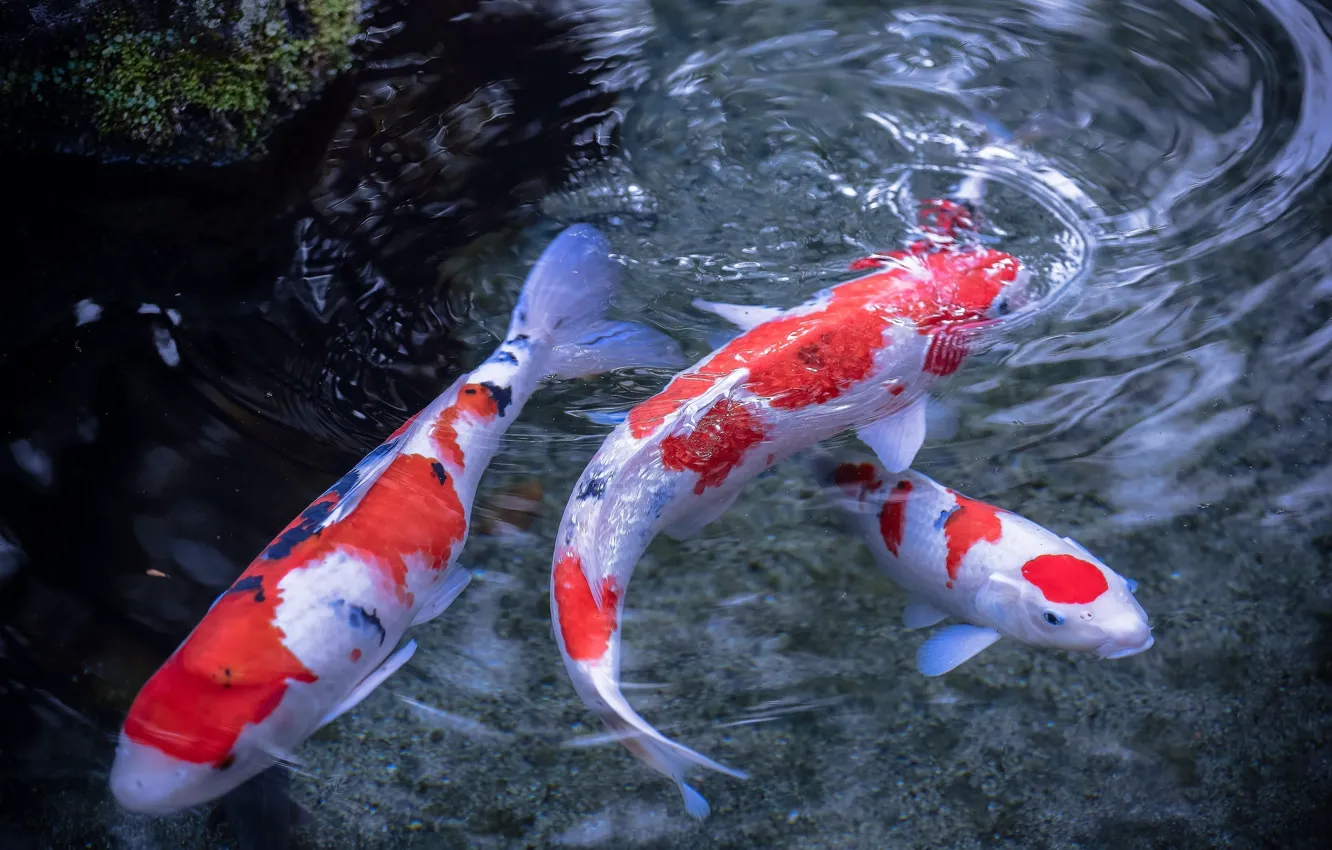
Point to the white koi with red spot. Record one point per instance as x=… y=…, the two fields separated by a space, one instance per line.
x=310 y=628
x=999 y=574
x=859 y=355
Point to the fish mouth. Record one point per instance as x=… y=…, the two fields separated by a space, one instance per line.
x=1109 y=652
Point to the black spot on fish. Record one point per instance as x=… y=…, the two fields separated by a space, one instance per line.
x=247 y=584
x=661 y=497
x=599 y=339
x=361 y=619
x=503 y=396
x=226 y=762
x=438 y=469
x=518 y=339
x=503 y=356
x=595 y=487
x=308 y=523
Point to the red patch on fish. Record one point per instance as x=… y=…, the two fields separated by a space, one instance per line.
x=826 y=364
x=969 y=523
x=944 y=217
x=799 y=360
x=892 y=519
x=947 y=349
x=585 y=627
x=875 y=261
x=355 y=655
x=864 y=474
x=1065 y=579
x=234 y=668
x=716 y=445
x=474 y=401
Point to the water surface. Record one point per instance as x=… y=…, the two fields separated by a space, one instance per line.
x=1161 y=166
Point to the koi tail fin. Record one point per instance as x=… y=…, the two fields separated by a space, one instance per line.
x=646 y=743
x=565 y=301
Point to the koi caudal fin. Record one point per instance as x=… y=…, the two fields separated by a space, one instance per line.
x=565 y=300
x=601 y=692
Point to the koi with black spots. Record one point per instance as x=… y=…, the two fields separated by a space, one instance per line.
x=312 y=626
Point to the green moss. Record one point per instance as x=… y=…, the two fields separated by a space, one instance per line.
x=153 y=87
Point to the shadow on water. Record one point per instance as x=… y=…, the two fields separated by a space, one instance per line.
x=192 y=354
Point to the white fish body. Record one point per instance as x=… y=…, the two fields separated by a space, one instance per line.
x=994 y=572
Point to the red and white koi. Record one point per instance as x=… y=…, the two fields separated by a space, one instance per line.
x=999 y=574
x=859 y=355
x=309 y=629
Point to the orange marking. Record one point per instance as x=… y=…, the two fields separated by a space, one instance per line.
x=969 y=523
x=716 y=445
x=234 y=668
x=796 y=361
x=476 y=402
x=356 y=655
x=864 y=474
x=1065 y=578
x=892 y=519
x=585 y=627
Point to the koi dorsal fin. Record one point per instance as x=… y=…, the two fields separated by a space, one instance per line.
x=352 y=487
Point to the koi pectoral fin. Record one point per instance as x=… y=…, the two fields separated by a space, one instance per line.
x=370 y=682
x=919 y=614
x=701 y=511
x=951 y=646
x=453 y=583
x=897 y=438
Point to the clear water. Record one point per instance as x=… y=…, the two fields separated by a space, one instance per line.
x=1161 y=165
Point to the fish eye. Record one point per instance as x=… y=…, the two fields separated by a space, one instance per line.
x=1053 y=619
x=1003 y=307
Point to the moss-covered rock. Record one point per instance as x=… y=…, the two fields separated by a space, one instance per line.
x=202 y=79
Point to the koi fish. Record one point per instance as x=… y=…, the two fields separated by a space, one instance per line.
x=858 y=355
x=998 y=574
x=309 y=629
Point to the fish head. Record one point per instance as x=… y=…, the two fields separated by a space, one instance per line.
x=149 y=780
x=188 y=740
x=974 y=285
x=1068 y=600
x=1014 y=296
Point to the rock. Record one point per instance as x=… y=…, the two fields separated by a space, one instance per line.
x=204 y=79
x=210 y=80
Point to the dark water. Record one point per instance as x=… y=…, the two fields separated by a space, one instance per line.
x=1162 y=165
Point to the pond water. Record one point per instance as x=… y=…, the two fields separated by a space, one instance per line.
x=1163 y=168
